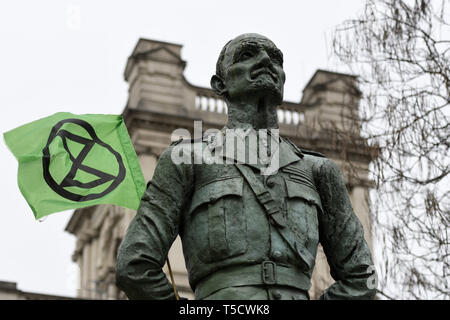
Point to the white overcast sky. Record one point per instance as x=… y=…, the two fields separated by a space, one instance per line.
x=70 y=56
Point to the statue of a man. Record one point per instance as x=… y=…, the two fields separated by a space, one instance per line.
x=247 y=235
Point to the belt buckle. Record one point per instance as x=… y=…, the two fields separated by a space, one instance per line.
x=269 y=272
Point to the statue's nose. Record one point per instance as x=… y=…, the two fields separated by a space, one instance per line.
x=263 y=58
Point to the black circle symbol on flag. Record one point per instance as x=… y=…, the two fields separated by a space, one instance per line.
x=77 y=163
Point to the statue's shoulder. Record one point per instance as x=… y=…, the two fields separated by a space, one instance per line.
x=302 y=152
x=186 y=141
x=178 y=149
x=208 y=139
x=312 y=153
x=183 y=150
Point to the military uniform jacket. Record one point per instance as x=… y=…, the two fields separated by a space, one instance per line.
x=223 y=226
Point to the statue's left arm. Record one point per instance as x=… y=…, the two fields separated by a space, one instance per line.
x=144 y=249
x=342 y=237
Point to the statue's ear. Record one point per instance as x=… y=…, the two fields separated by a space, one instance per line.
x=218 y=85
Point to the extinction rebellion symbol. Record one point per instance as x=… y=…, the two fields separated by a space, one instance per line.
x=69 y=185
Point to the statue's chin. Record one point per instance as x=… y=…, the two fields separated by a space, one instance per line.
x=268 y=92
x=259 y=89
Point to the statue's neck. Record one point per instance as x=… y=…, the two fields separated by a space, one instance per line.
x=259 y=115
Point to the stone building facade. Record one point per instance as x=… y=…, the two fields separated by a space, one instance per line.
x=9 y=291
x=162 y=100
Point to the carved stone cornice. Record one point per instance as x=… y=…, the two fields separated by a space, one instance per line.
x=77 y=220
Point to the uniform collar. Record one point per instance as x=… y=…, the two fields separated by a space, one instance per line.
x=283 y=150
x=287 y=155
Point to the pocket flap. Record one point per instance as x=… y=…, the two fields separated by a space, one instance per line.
x=298 y=190
x=211 y=192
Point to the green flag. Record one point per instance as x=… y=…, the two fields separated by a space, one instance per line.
x=69 y=161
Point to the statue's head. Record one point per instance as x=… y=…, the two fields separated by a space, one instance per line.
x=250 y=66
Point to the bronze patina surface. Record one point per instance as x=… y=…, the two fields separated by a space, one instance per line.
x=247 y=235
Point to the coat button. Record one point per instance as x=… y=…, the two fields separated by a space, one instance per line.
x=276 y=295
x=270 y=183
x=277 y=255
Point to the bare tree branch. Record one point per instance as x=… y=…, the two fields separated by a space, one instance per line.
x=401 y=52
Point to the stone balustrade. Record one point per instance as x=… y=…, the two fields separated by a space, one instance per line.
x=206 y=100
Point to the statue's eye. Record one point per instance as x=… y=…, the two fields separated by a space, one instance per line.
x=247 y=54
x=276 y=58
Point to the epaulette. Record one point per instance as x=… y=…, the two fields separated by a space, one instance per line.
x=301 y=151
x=185 y=140
x=313 y=153
x=174 y=143
x=297 y=150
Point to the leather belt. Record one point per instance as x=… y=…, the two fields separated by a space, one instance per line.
x=265 y=273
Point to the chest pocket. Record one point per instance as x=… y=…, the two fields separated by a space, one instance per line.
x=303 y=204
x=218 y=224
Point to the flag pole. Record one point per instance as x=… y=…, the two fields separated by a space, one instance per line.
x=173 y=281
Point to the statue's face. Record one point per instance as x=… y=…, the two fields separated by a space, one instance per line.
x=253 y=66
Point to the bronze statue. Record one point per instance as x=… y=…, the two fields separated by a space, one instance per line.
x=247 y=235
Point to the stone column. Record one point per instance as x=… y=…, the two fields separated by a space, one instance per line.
x=148 y=164
x=81 y=276
x=359 y=197
x=86 y=271
x=92 y=271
